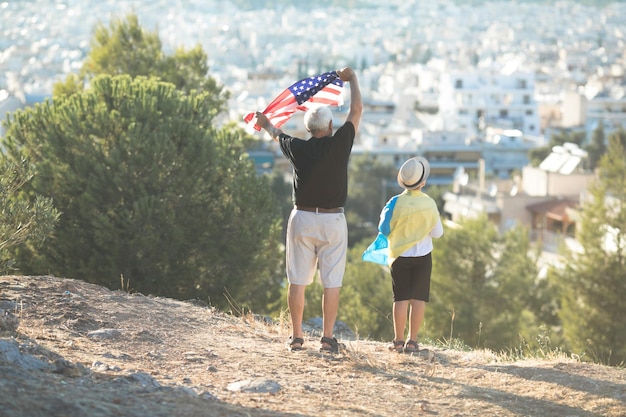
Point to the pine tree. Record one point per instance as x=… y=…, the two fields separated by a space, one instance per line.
x=459 y=286
x=150 y=191
x=23 y=221
x=367 y=297
x=593 y=282
x=368 y=191
x=482 y=283
x=597 y=147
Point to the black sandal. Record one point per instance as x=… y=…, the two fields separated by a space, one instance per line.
x=333 y=345
x=397 y=346
x=295 y=341
x=411 y=347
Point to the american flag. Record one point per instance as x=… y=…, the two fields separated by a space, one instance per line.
x=320 y=90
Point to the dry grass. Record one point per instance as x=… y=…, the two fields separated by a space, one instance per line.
x=173 y=358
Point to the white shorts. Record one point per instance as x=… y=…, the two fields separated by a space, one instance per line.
x=316 y=239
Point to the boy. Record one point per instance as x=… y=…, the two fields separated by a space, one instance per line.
x=408 y=223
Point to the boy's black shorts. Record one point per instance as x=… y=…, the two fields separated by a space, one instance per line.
x=410 y=278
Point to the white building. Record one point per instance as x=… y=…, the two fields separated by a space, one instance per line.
x=476 y=99
x=608 y=108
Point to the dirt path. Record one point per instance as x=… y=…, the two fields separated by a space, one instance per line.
x=70 y=349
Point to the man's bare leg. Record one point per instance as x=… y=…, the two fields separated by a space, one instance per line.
x=330 y=305
x=295 y=301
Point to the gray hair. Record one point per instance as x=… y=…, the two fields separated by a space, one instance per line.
x=318 y=119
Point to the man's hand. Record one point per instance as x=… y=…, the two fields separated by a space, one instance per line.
x=346 y=74
x=262 y=120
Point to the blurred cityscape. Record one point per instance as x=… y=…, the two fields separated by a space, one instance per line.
x=471 y=87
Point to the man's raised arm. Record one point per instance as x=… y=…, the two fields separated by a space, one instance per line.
x=347 y=74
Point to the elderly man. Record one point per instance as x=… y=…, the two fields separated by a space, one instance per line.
x=317 y=233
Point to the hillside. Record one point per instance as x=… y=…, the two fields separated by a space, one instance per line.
x=69 y=348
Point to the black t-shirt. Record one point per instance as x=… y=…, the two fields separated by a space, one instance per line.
x=320 y=167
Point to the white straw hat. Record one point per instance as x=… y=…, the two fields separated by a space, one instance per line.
x=413 y=173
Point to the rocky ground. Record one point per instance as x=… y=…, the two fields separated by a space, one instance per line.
x=70 y=349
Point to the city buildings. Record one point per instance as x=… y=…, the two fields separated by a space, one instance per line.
x=471 y=87
x=544 y=199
